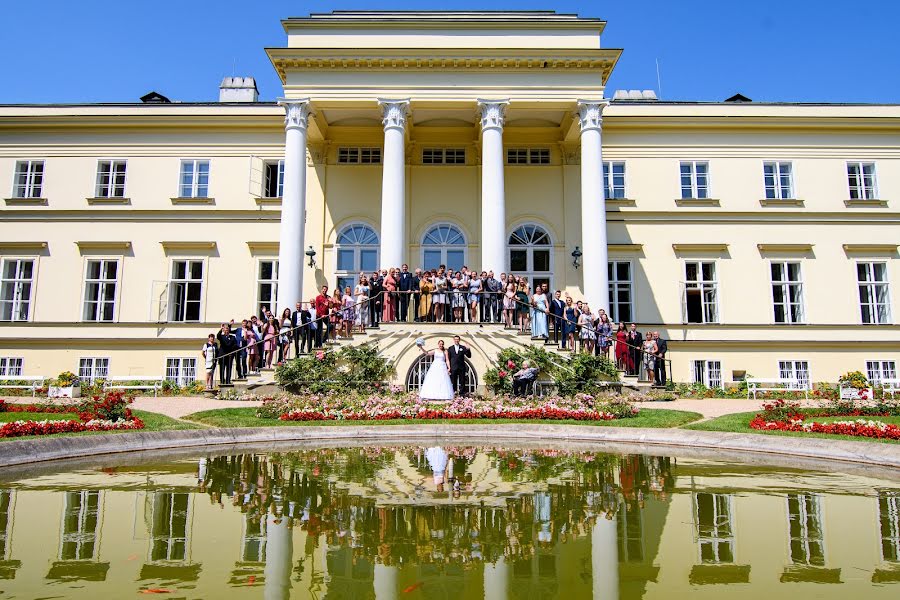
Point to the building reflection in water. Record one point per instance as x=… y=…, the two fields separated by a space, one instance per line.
x=450 y=522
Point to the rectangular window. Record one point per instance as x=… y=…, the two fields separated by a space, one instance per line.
x=614 y=180
x=169 y=526
x=92 y=369
x=694 y=180
x=701 y=293
x=778 y=180
x=110 y=179
x=29 y=180
x=707 y=372
x=879 y=370
x=861 y=179
x=527 y=156
x=6 y=522
x=889 y=519
x=181 y=371
x=254 y=539
x=797 y=370
x=10 y=366
x=267 y=284
x=620 y=293
x=359 y=156
x=715 y=527
x=806 y=529
x=194 y=182
x=443 y=156
x=80 y=525
x=874 y=295
x=16 y=282
x=274 y=183
x=100 y=282
x=787 y=292
x=185 y=290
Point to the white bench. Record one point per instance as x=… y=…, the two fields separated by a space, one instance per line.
x=776 y=384
x=890 y=386
x=134 y=383
x=23 y=382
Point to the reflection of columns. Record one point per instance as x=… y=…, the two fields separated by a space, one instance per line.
x=279 y=551
x=496 y=580
x=493 y=194
x=385 y=582
x=393 y=184
x=605 y=559
x=593 y=207
x=293 y=205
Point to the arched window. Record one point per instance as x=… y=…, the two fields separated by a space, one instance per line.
x=530 y=254
x=416 y=375
x=357 y=250
x=444 y=244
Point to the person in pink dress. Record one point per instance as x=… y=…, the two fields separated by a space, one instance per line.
x=389 y=310
x=270 y=340
x=252 y=348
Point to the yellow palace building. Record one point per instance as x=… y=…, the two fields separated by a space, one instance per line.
x=758 y=238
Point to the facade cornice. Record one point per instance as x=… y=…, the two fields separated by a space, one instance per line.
x=450 y=59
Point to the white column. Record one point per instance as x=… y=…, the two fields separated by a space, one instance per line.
x=393 y=183
x=385 y=582
x=595 y=255
x=293 y=205
x=279 y=555
x=496 y=580
x=493 y=194
x=605 y=559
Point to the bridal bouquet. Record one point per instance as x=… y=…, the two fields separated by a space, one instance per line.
x=420 y=342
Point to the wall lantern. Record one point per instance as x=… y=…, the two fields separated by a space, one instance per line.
x=312 y=256
x=576 y=257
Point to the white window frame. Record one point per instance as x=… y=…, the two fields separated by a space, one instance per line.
x=610 y=188
x=170 y=291
x=889 y=502
x=260 y=282
x=359 y=155
x=444 y=248
x=181 y=365
x=170 y=540
x=194 y=187
x=528 y=156
x=33 y=186
x=871 y=284
x=94 y=367
x=82 y=535
x=705 y=286
x=707 y=372
x=357 y=250
x=530 y=273
x=100 y=283
x=111 y=189
x=442 y=156
x=796 y=369
x=780 y=170
x=615 y=284
x=878 y=370
x=19 y=282
x=786 y=285
x=8 y=364
x=279 y=178
x=862 y=191
x=722 y=529
x=806 y=539
x=695 y=187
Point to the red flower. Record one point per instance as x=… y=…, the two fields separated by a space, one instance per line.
x=502 y=373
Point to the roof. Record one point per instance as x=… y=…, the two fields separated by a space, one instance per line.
x=444 y=15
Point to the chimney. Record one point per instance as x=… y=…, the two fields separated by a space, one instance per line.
x=238 y=89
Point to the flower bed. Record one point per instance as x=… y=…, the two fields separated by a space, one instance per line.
x=47 y=427
x=858 y=428
x=108 y=412
x=375 y=407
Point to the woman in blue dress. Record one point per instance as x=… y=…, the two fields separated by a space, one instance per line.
x=571 y=315
x=539 y=320
x=474 y=296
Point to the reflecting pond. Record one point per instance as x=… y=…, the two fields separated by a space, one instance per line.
x=442 y=521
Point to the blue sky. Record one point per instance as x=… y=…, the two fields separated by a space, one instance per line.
x=788 y=50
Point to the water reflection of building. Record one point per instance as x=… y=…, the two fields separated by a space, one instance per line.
x=528 y=525
x=8 y=566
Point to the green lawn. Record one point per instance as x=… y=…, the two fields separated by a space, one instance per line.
x=152 y=422
x=246 y=417
x=740 y=423
x=9 y=417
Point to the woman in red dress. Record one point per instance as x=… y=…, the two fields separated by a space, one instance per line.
x=623 y=356
x=390 y=296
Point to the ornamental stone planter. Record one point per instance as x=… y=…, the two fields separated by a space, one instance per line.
x=72 y=391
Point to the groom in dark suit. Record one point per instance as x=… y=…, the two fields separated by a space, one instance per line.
x=458 y=354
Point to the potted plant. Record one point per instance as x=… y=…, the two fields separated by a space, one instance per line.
x=66 y=385
x=855 y=386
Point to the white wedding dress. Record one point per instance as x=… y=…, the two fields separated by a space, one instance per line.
x=437 y=384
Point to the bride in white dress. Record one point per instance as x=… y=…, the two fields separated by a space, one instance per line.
x=437 y=384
